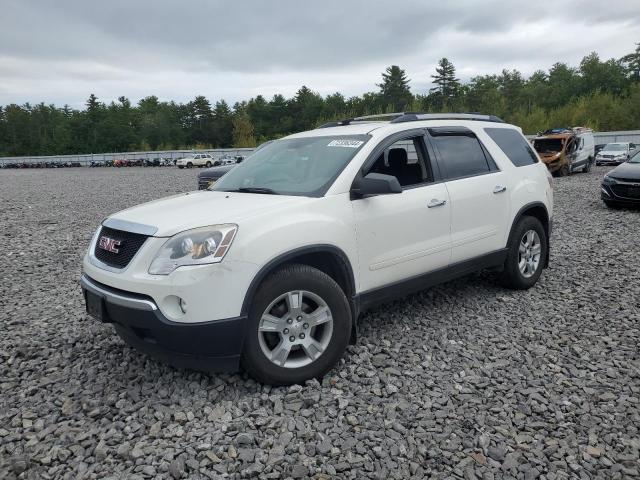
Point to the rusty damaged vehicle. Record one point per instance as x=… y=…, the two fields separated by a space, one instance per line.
x=566 y=150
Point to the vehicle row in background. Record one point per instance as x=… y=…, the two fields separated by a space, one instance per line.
x=621 y=186
x=616 y=153
x=207 y=160
x=566 y=150
x=208 y=177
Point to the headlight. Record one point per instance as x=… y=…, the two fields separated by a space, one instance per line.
x=199 y=246
x=607 y=180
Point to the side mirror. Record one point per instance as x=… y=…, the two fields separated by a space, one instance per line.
x=375 y=184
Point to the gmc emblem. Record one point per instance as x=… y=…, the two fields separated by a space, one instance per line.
x=109 y=244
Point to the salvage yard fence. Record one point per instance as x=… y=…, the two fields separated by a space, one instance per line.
x=104 y=158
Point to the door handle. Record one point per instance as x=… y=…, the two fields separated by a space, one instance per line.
x=499 y=189
x=436 y=203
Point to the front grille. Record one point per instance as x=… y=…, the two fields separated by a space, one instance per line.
x=129 y=245
x=628 y=191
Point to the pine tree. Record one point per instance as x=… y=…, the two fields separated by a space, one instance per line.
x=447 y=85
x=632 y=62
x=394 y=89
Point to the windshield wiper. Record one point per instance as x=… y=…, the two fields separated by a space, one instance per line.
x=265 y=190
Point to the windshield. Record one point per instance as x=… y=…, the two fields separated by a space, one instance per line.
x=635 y=158
x=614 y=147
x=548 y=145
x=297 y=166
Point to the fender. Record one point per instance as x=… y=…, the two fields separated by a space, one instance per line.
x=276 y=262
x=547 y=229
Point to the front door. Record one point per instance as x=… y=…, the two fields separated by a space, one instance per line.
x=406 y=234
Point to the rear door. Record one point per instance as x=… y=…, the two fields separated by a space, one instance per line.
x=477 y=190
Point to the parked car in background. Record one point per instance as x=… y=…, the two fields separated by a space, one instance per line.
x=208 y=177
x=271 y=267
x=621 y=186
x=196 y=160
x=565 y=150
x=615 y=153
x=224 y=160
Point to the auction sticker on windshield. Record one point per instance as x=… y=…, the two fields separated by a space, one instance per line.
x=345 y=143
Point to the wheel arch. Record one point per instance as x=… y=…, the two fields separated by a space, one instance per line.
x=326 y=258
x=537 y=210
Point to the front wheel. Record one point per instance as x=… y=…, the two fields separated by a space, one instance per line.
x=208 y=164
x=299 y=327
x=189 y=165
x=526 y=255
x=565 y=170
x=587 y=167
x=612 y=205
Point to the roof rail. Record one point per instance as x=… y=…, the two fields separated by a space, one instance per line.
x=414 y=117
x=401 y=117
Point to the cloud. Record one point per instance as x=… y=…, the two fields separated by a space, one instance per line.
x=62 y=51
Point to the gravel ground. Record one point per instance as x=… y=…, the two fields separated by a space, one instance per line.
x=467 y=380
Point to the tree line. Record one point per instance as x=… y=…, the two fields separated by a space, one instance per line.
x=602 y=94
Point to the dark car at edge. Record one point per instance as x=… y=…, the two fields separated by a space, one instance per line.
x=621 y=186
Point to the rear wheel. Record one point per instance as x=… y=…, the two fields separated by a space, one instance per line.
x=526 y=255
x=299 y=327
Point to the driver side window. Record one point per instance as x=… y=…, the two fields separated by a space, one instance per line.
x=406 y=160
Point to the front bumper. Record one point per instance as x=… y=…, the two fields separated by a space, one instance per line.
x=207 y=346
x=607 y=193
x=609 y=161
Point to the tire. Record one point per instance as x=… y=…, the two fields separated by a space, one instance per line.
x=216 y=164
x=587 y=167
x=512 y=276
x=564 y=171
x=612 y=205
x=180 y=167
x=208 y=164
x=297 y=364
x=189 y=165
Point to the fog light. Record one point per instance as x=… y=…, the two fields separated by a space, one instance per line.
x=183 y=306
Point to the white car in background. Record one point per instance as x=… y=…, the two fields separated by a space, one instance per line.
x=615 y=153
x=196 y=160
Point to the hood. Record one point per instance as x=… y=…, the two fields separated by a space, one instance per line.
x=630 y=171
x=215 y=172
x=198 y=209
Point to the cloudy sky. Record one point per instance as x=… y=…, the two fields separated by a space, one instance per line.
x=61 y=51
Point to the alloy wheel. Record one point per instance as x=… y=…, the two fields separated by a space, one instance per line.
x=529 y=252
x=295 y=329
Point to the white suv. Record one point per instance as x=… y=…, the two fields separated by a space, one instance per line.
x=271 y=267
x=196 y=160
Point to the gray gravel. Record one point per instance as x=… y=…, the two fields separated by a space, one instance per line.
x=467 y=380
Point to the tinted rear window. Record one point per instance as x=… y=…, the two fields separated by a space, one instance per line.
x=462 y=156
x=513 y=145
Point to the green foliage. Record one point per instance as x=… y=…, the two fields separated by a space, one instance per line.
x=394 y=89
x=604 y=95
